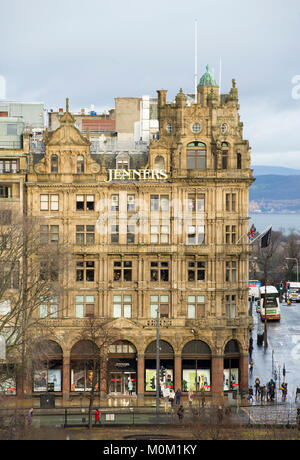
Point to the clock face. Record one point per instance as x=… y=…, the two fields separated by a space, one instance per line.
x=169 y=128
x=224 y=128
x=196 y=128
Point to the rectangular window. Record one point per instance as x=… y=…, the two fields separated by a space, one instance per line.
x=230 y=234
x=85 y=306
x=196 y=271
x=54 y=202
x=160 y=303
x=196 y=202
x=154 y=202
x=231 y=202
x=123 y=271
x=44 y=202
x=85 y=271
x=85 y=234
x=49 y=270
x=231 y=271
x=195 y=235
x=122 y=306
x=230 y=306
x=49 y=308
x=115 y=203
x=114 y=235
x=49 y=234
x=9 y=166
x=85 y=202
x=9 y=275
x=159 y=271
x=159 y=234
x=196 y=307
x=130 y=203
x=130 y=234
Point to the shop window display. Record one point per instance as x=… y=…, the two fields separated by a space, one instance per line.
x=42 y=378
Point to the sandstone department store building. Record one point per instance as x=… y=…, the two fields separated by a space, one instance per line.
x=158 y=231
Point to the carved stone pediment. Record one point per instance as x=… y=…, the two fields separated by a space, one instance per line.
x=66 y=134
x=124 y=324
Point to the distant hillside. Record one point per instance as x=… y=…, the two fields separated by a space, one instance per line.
x=274 y=170
x=275 y=187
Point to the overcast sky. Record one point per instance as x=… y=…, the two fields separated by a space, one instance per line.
x=94 y=50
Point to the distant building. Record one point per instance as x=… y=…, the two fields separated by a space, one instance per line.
x=17 y=118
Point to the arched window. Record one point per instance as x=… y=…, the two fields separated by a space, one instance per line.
x=196 y=156
x=85 y=356
x=238 y=161
x=159 y=162
x=224 y=155
x=80 y=164
x=47 y=358
x=54 y=164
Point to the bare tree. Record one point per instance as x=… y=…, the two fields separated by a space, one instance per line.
x=31 y=282
x=99 y=335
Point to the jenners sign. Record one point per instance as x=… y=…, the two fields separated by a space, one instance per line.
x=136 y=174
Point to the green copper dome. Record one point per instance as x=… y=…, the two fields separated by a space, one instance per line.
x=207 y=79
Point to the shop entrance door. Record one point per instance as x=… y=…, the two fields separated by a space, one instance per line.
x=115 y=383
x=119 y=383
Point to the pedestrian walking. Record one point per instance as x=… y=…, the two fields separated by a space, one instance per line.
x=251 y=366
x=180 y=413
x=257 y=387
x=172 y=399
x=284 y=391
x=250 y=395
x=97 y=417
x=263 y=393
x=178 y=397
x=29 y=416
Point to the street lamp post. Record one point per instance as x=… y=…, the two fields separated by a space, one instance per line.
x=294 y=258
x=157 y=362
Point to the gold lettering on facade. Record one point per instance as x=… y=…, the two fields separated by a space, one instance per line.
x=134 y=174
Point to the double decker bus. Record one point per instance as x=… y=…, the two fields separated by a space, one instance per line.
x=269 y=303
x=292 y=291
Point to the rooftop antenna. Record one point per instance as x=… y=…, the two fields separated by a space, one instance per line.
x=196 y=60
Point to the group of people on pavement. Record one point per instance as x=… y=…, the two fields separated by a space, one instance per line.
x=266 y=392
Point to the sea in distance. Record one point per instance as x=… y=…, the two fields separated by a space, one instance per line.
x=279 y=222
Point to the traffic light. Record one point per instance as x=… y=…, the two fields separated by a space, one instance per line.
x=162 y=374
x=288 y=286
x=153 y=383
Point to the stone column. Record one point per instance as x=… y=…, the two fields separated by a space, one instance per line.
x=66 y=387
x=141 y=376
x=244 y=372
x=177 y=373
x=217 y=377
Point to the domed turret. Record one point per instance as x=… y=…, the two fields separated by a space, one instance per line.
x=207 y=79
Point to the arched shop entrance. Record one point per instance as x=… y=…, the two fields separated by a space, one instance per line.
x=232 y=366
x=47 y=362
x=122 y=368
x=196 y=366
x=85 y=366
x=166 y=357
